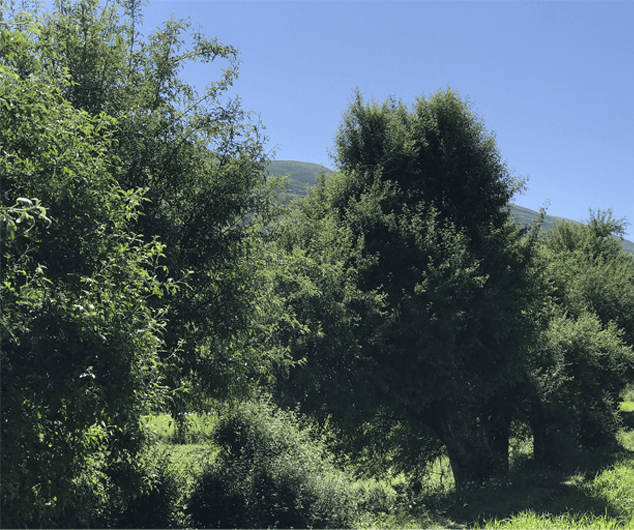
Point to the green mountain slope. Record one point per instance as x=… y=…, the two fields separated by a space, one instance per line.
x=302 y=176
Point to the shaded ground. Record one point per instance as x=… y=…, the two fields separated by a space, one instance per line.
x=554 y=492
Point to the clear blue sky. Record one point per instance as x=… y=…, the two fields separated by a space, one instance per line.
x=554 y=80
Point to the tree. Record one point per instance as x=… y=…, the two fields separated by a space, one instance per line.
x=79 y=341
x=202 y=165
x=148 y=186
x=420 y=208
x=583 y=359
x=589 y=271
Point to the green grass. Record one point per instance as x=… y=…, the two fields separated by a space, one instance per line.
x=628 y=394
x=197 y=429
x=606 y=501
x=527 y=498
x=584 y=500
x=191 y=450
x=626 y=439
x=162 y=426
x=181 y=458
x=388 y=504
x=530 y=520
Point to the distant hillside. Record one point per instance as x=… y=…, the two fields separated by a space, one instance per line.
x=302 y=175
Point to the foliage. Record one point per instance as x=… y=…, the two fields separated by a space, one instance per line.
x=270 y=473
x=200 y=162
x=394 y=501
x=105 y=143
x=583 y=360
x=80 y=341
x=580 y=386
x=303 y=175
x=589 y=271
x=425 y=313
x=160 y=505
x=23 y=211
x=398 y=303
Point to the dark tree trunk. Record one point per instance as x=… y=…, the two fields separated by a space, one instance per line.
x=553 y=436
x=496 y=419
x=473 y=455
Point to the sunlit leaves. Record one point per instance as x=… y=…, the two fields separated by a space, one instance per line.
x=80 y=342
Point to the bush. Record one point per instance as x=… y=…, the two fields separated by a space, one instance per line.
x=159 y=505
x=582 y=373
x=270 y=472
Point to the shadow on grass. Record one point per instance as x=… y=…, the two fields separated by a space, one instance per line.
x=529 y=487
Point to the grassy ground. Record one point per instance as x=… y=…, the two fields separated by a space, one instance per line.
x=597 y=493
x=185 y=454
x=605 y=501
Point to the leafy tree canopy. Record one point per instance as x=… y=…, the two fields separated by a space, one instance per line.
x=198 y=159
x=439 y=277
x=589 y=271
x=79 y=342
x=138 y=271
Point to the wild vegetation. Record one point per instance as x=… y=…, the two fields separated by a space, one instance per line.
x=301 y=176
x=182 y=345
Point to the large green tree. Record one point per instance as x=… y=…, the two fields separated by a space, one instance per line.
x=201 y=162
x=143 y=180
x=440 y=275
x=80 y=343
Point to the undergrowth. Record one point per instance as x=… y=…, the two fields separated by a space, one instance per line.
x=598 y=493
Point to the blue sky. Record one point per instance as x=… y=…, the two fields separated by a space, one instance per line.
x=553 y=79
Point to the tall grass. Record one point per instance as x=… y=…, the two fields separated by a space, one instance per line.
x=196 y=428
x=627 y=406
x=628 y=394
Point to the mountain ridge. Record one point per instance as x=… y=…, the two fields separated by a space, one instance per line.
x=303 y=175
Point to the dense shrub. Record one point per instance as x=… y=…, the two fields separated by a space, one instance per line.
x=582 y=373
x=583 y=360
x=270 y=472
x=159 y=505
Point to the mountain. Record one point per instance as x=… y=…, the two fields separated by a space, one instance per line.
x=303 y=175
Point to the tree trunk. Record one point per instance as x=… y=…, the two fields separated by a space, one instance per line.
x=472 y=457
x=496 y=420
x=553 y=435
